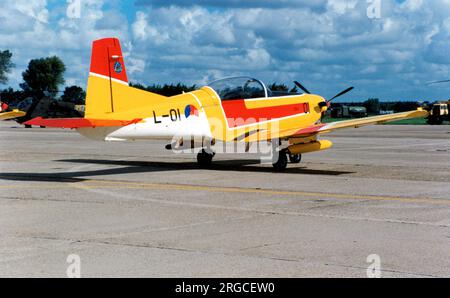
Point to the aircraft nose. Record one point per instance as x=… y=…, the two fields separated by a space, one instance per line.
x=324 y=104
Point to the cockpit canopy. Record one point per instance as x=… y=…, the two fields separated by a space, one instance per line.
x=239 y=88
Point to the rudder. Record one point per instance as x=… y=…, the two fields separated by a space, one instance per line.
x=107 y=68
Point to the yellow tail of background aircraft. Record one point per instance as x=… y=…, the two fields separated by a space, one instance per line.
x=5 y=114
x=11 y=114
x=239 y=109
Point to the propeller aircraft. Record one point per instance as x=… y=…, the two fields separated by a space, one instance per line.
x=238 y=109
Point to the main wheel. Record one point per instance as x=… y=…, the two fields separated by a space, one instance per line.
x=281 y=163
x=295 y=158
x=204 y=158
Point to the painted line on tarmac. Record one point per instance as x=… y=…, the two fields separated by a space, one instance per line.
x=102 y=184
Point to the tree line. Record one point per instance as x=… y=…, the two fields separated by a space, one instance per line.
x=44 y=76
x=374 y=106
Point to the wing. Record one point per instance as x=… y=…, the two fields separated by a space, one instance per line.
x=11 y=115
x=79 y=122
x=355 y=123
x=328 y=127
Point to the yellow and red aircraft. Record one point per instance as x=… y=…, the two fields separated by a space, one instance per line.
x=6 y=115
x=239 y=109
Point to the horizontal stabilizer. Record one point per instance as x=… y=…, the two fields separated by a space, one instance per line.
x=79 y=122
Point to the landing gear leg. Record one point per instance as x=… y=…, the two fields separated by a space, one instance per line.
x=204 y=158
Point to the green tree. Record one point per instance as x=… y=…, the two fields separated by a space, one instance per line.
x=404 y=106
x=74 y=94
x=166 y=90
x=5 y=65
x=278 y=87
x=372 y=105
x=138 y=86
x=44 y=74
x=11 y=96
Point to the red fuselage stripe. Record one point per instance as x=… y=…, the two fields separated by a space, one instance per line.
x=238 y=114
x=78 y=122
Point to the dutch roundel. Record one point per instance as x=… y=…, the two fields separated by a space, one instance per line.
x=190 y=110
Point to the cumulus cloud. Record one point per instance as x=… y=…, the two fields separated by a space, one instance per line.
x=34 y=29
x=327 y=44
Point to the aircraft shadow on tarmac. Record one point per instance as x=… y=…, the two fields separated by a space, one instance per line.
x=130 y=167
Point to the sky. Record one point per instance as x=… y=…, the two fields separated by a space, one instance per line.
x=387 y=51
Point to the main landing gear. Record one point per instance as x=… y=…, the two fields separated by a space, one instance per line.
x=204 y=158
x=295 y=158
x=281 y=163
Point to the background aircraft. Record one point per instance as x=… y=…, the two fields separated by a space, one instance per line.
x=239 y=109
x=6 y=113
x=45 y=106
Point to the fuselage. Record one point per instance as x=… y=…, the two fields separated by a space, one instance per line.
x=203 y=114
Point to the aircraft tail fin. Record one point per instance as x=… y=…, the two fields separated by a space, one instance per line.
x=107 y=69
x=107 y=60
x=108 y=94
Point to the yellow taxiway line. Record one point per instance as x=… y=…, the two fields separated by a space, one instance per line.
x=92 y=184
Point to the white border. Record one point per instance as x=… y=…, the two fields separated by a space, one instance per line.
x=108 y=78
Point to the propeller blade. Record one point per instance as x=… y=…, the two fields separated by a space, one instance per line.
x=342 y=93
x=438 y=82
x=301 y=87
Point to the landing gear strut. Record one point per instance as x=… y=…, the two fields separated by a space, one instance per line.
x=204 y=158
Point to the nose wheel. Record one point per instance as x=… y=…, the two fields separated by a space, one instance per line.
x=204 y=158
